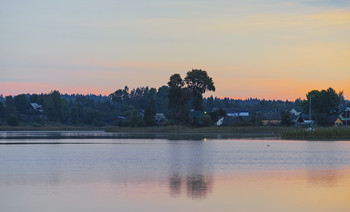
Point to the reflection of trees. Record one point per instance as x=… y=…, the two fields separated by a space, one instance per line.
x=198 y=185
x=188 y=163
x=175 y=184
x=322 y=160
x=325 y=177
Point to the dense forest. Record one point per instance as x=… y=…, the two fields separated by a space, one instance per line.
x=77 y=109
x=144 y=106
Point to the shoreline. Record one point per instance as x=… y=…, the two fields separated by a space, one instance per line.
x=173 y=132
x=11 y=135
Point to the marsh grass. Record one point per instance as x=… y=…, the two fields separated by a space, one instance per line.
x=326 y=133
x=163 y=129
x=214 y=129
x=322 y=133
x=50 y=128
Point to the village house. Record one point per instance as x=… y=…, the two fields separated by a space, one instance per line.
x=270 y=118
x=345 y=116
x=160 y=118
x=297 y=119
x=335 y=121
x=35 y=107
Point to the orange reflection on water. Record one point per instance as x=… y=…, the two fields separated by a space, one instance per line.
x=326 y=190
x=297 y=190
x=292 y=190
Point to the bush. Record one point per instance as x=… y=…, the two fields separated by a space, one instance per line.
x=322 y=119
x=206 y=121
x=286 y=119
x=12 y=120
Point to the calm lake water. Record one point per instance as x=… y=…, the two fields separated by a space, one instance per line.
x=173 y=175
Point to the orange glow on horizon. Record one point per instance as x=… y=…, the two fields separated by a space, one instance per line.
x=264 y=89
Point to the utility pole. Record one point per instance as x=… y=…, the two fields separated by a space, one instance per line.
x=310 y=108
x=346 y=117
x=346 y=112
x=310 y=123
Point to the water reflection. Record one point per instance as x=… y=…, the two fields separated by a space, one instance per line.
x=324 y=155
x=175 y=182
x=189 y=169
x=198 y=185
x=163 y=175
x=327 y=178
x=10 y=135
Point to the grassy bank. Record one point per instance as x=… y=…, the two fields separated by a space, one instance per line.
x=164 y=132
x=51 y=128
x=163 y=129
x=214 y=129
x=326 y=133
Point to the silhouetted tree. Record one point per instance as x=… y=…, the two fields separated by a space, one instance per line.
x=206 y=121
x=286 y=118
x=74 y=115
x=175 y=95
x=21 y=103
x=135 y=120
x=323 y=101
x=199 y=82
x=55 y=107
x=120 y=95
x=12 y=120
x=2 y=111
x=179 y=98
x=215 y=115
x=10 y=106
x=162 y=100
x=149 y=114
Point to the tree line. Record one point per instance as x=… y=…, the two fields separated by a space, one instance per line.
x=138 y=106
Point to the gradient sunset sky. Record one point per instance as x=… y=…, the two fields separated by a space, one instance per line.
x=269 y=49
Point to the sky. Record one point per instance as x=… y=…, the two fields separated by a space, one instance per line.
x=272 y=49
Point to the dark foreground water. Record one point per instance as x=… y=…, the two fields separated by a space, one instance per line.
x=173 y=175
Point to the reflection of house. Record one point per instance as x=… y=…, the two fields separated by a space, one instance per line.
x=270 y=118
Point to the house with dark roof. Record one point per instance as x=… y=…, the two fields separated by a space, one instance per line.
x=335 y=121
x=36 y=107
x=270 y=118
x=345 y=116
x=293 y=111
x=297 y=120
x=232 y=120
